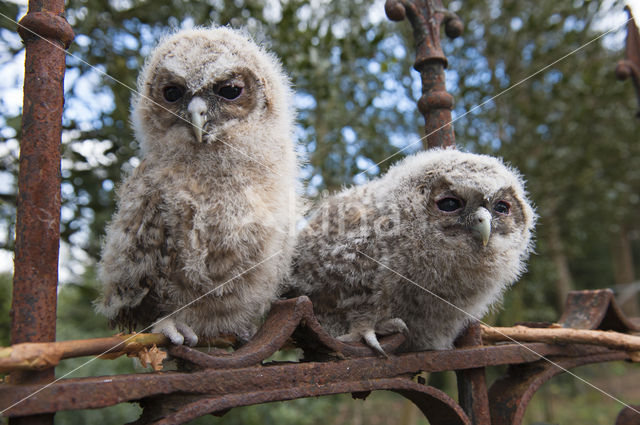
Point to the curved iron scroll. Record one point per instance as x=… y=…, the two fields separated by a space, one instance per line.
x=597 y=309
x=284 y=319
x=438 y=407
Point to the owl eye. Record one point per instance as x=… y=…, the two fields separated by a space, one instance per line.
x=229 y=92
x=502 y=207
x=172 y=93
x=449 y=204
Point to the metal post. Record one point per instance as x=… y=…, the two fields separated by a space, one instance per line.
x=33 y=311
x=630 y=66
x=436 y=103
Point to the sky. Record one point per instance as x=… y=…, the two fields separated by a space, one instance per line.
x=12 y=96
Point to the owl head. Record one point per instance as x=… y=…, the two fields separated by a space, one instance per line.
x=204 y=87
x=469 y=210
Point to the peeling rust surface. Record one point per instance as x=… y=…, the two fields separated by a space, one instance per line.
x=595 y=309
x=438 y=407
x=53 y=27
x=472 y=386
x=436 y=103
x=33 y=308
x=79 y=393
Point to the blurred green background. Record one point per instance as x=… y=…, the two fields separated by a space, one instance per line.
x=571 y=130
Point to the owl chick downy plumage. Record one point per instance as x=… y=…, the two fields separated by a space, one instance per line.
x=443 y=222
x=213 y=204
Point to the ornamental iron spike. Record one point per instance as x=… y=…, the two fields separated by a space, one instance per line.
x=436 y=103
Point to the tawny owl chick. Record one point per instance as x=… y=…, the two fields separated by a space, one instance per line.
x=443 y=222
x=211 y=208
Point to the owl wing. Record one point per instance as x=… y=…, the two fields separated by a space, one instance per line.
x=349 y=296
x=137 y=257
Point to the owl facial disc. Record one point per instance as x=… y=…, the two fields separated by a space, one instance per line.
x=481 y=225
x=198 y=110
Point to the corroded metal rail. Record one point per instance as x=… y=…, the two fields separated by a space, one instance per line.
x=219 y=381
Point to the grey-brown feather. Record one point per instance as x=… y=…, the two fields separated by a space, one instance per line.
x=415 y=249
x=214 y=217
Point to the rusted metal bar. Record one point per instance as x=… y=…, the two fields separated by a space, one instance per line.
x=595 y=309
x=510 y=395
x=628 y=416
x=630 y=66
x=436 y=103
x=71 y=394
x=472 y=385
x=437 y=407
x=227 y=380
x=33 y=311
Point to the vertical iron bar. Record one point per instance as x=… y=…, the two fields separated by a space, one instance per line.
x=436 y=103
x=629 y=67
x=472 y=386
x=45 y=33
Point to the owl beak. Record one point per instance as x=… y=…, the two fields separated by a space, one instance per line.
x=198 y=110
x=481 y=225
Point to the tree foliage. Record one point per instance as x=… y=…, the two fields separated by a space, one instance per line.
x=570 y=128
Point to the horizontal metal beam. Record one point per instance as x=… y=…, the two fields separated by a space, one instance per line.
x=81 y=393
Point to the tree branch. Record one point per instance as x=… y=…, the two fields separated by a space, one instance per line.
x=43 y=355
x=557 y=335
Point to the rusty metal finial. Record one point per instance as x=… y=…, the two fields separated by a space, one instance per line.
x=630 y=66
x=436 y=103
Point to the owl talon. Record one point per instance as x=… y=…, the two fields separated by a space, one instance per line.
x=372 y=341
x=392 y=326
x=369 y=337
x=190 y=337
x=178 y=333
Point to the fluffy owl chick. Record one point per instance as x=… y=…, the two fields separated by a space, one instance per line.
x=441 y=228
x=211 y=208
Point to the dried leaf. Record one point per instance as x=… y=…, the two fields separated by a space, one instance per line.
x=151 y=356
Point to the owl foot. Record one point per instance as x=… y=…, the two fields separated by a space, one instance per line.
x=369 y=336
x=392 y=326
x=179 y=333
x=387 y=327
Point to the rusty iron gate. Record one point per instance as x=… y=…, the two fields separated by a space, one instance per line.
x=219 y=381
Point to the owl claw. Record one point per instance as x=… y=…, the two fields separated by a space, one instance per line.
x=178 y=333
x=392 y=326
x=369 y=336
x=190 y=338
x=387 y=327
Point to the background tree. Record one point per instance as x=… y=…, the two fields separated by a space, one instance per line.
x=570 y=130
